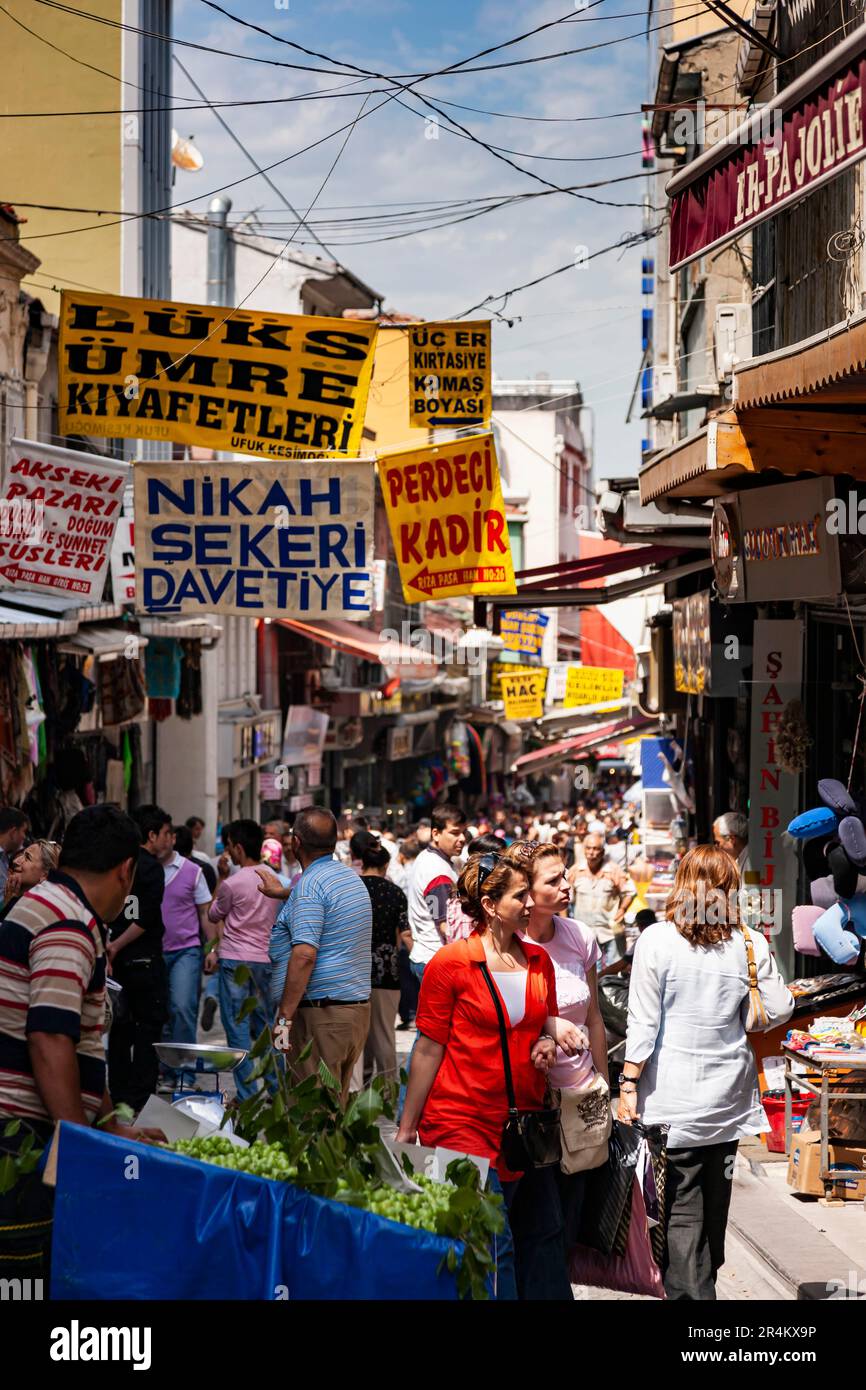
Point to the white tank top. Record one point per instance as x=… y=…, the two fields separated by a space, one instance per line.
x=512 y=986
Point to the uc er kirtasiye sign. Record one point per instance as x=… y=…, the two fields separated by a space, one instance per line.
x=447 y=519
x=254 y=538
x=249 y=382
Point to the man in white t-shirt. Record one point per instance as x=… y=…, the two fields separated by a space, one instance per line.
x=431 y=882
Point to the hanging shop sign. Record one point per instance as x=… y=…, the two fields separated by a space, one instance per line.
x=813 y=131
x=497 y=669
x=58 y=516
x=777 y=678
x=123 y=561
x=523 y=693
x=523 y=631
x=692 y=646
x=447 y=519
x=255 y=538
x=400 y=742
x=449 y=374
x=275 y=385
x=775 y=543
x=592 y=685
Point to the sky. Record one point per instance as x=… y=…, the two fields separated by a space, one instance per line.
x=583 y=325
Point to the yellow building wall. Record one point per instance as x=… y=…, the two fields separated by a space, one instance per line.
x=698 y=20
x=388 y=403
x=74 y=161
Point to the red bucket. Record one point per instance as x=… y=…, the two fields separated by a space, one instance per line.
x=774 y=1105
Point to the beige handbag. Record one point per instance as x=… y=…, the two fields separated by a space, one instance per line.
x=585 y=1120
x=756 y=1017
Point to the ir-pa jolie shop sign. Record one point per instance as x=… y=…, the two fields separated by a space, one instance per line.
x=255 y=538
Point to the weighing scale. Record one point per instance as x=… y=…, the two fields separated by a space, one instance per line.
x=191 y=1060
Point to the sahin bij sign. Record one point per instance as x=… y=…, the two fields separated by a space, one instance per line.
x=817 y=132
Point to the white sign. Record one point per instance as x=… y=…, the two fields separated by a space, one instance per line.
x=64 y=506
x=773 y=794
x=123 y=561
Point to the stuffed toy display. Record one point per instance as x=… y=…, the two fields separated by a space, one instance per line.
x=840 y=930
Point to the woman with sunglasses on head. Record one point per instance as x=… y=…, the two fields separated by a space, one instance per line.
x=581 y=1077
x=457 y=1095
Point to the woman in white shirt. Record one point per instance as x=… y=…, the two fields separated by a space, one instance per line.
x=689 y=1064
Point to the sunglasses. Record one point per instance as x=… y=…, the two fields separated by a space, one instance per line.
x=486 y=867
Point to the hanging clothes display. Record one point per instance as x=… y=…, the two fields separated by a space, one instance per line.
x=121 y=691
x=459 y=756
x=162 y=660
x=189 y=701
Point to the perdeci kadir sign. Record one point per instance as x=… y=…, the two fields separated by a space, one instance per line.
x=254 y=538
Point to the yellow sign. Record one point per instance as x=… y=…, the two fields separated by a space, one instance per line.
x=523 y=693
x=447 y=519
x=497 y=669
x=449 y=374
x=276 y=385
x=592 y=685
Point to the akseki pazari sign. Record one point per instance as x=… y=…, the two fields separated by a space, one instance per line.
x=255 y=538
x=768 y=166
x=240 y=380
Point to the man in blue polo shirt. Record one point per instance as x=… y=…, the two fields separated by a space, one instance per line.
x=321 y=952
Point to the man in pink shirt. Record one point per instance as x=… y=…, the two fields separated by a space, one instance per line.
x=244 y=918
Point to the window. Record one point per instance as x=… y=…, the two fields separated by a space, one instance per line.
x=515 y=536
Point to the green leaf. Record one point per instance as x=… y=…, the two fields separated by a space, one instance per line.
x=249 y=1006
x=305 y=1050
x=327 y=1077
x=8 y=1174
x=242 y=974
x=212 y=945
x=11 y=1129
x=262 y=1043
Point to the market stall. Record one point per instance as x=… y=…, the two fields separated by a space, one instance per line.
x=136 y=1221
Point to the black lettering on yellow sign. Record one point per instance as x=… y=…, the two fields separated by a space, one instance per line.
x=449 y=373
x=276 y=385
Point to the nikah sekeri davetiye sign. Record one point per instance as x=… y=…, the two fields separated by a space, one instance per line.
x=239 y=380
x=255 y=538
x=776 y=157
x=447 y=519
x=449 y=374
x=58 y=516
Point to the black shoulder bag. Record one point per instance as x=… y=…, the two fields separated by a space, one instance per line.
x=530 y=1138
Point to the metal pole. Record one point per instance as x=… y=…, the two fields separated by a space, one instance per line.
x=217 y=251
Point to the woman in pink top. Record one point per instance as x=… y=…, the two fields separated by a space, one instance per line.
x=583 y=1078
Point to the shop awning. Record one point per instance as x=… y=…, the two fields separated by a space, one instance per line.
x=105 y=643
x=829 y=367
x=15 y=624
x=367 y=645
x=204 y=628
x=808 y=135
x=572 y=748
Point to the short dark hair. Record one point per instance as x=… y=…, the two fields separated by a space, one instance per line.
x=150 y=818
x=183 y=840
x=411 y=847
x=192 y=821
x=370 y=850
x=98 y=839
x=316 y=829
x=446 y=815
x=248 y=834
x=11 y=819
x=486 y=844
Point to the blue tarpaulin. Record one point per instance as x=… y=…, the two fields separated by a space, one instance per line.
x=132 y=1221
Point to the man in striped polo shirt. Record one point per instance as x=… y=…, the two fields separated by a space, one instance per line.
x=52 y=1009
x=321 y=951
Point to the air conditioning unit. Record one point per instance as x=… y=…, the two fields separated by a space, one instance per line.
x=732 y=337
x=664 y=384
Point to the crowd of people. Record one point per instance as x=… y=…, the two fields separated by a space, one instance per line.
x=488 y=935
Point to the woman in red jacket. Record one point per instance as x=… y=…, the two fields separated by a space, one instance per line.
x=457 y=1097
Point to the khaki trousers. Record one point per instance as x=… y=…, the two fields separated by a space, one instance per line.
x=338 y=1034
x=380 y=1049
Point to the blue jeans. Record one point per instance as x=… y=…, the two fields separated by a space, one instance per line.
x=530 y=1252
x=184 y=985
x=418 y=974
x=611 y=951
x=243 y=1033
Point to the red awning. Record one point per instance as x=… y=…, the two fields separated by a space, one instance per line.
x=418 y=663
x=569 y=748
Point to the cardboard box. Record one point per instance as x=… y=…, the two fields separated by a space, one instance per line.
x=804 y=1167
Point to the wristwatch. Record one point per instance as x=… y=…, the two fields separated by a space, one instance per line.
x=624 y=1080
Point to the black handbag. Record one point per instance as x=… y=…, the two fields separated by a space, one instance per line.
x=530 y=1138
